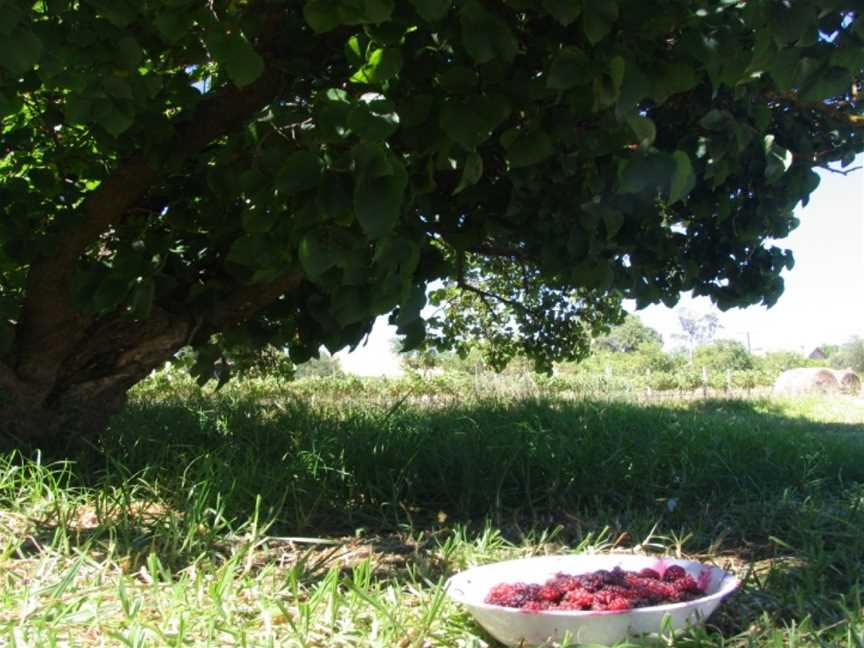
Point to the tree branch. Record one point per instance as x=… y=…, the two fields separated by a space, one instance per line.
x=849 y=119
x=244 y=303
x=843 y=172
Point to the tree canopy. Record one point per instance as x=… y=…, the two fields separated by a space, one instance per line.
x=246 y=172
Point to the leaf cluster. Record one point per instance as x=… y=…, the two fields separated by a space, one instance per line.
x=541 y=160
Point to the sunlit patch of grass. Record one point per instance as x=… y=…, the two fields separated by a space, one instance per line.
x=214 y=519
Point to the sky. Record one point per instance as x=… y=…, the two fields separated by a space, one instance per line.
x=823 y=301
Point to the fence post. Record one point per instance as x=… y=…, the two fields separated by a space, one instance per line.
x=704 y=382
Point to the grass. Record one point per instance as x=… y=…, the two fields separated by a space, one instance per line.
x=248 y=519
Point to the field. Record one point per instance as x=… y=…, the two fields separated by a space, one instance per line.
x=329 y=513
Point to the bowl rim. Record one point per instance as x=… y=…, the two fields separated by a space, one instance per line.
x=728 y=584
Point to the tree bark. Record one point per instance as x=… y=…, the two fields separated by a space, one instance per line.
x=91 y=383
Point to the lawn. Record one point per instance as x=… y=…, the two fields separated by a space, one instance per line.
x=281 y=516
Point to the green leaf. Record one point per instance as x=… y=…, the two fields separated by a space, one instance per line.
x=635 y=87
x=643 y=128
x=485 y=35
x=363 y=12
x=354 y=52
x=646 y=173
x=683 y=179
x=301 y=171
x=128 y=52
x=334 y=199
x=472 y=171
x=322 y=15
x=350 y=305
x=371 y=160
x=141 y=302
x=317 y=255
x=784 y=68
x=118 y=12
x=112 y=117
x=459 y=79
x=472 y=120
x=241 y=61
x=382 y=65
x=570 y=68
x=598 y=17
x=778 y=159
x=77 y=109
x=613 y=220
x=112 y=291
x=9 y=106
x=564 y=11
x=607 y=88
x=527 y=147
x=432 y=10
x=411 y=308
x=678 y=77
x=833 y=82
x=413 y=334
x=172 y=26
x=20 y=51
x=373 y=118
x=716 y=120
x=117 y=87
x=258 y=219
x=379 y=185
x=247 y=250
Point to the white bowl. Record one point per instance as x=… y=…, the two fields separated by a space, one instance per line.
x=520 y=628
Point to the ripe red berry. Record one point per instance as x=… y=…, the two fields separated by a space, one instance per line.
x=619 y=605
x=563 y=582
x=649 y=573
x=549 y=593
x=579 y=599
x=687 y=584
x=536 y=606
x=674 y=573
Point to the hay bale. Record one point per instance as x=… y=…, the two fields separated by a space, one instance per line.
x=849 y=381
x=806 y=380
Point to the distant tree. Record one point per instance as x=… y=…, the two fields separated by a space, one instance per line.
x=628 y=336
x=777 y=362
x=849 y=355
x=323 y=366
x=721 y=355
x=698 y=329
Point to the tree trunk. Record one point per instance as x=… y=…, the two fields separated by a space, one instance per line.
x=91 y=383
x=75 y=398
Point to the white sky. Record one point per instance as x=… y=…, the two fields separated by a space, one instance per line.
x=823 y=301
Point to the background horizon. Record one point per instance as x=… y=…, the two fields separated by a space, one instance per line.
x=822 y=303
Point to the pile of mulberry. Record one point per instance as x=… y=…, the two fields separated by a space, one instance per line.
x=603 y=591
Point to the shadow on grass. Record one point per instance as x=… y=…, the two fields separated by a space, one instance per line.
x=336 y=467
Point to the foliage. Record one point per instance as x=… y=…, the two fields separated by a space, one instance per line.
x=723 y=354
x=777 y=362
x=286 y=171
x=628 y=336
x=849 y=355
x=698 y=329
